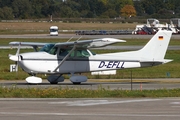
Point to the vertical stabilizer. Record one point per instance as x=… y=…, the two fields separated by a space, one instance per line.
x=156 y=48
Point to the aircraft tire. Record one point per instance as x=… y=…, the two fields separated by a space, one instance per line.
x=54 y=83
x=76 y=83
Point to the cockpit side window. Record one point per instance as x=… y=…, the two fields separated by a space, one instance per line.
x=76 y=53
x=63 y=52
x=81 y=53
x=85 y=53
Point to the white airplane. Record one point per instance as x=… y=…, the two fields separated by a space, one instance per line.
x=75 y=58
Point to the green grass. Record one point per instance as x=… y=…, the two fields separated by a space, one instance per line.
x=169 y=70
x=14 y=92
x=7 y=28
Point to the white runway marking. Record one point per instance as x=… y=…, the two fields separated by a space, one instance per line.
x=93 y=114
x=175 y=103
x=99 y=102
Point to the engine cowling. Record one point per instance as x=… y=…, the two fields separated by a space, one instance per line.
x=78 y=78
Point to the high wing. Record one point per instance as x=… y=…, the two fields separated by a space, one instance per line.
x=90 y=43
x=86 y=43
x=35 y=45
x=38 y=44
x=95 y=43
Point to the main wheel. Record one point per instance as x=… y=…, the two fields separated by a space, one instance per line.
x=54 y=82
x=76 y=83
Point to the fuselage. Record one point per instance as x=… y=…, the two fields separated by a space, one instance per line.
x=43 y=62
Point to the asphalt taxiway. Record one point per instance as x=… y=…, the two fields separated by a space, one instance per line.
x=121 y=84
x=90 y=109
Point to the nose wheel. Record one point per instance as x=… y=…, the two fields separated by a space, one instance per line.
x=33 y=80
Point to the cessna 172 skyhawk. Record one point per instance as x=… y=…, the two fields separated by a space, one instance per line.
x=75 y=57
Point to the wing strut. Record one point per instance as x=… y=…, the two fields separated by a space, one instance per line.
x=35 y=48
x=67 y=55
x=64 y=58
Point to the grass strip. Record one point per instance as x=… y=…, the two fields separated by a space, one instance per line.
x=100 y=92
x=170 y=70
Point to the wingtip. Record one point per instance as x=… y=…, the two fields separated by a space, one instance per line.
x=114 y=39
x=167 y=60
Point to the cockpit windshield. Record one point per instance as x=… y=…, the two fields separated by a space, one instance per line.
x=46 y=48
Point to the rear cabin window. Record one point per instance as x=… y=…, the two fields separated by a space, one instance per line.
x=76 y=53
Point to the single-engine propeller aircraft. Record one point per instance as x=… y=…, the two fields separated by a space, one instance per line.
x=75 y=57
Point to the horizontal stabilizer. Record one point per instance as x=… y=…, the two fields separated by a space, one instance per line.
x=158 y=61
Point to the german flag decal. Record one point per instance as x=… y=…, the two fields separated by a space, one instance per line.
x=160 y=37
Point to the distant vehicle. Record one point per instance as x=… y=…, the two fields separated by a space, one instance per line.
x=54 y=30
x=153 y=25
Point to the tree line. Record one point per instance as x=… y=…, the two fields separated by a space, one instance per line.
x=35 y=9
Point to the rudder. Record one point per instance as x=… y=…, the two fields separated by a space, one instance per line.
x=156 y=48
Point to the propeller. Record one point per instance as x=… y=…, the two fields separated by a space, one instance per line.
x=16 y=56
